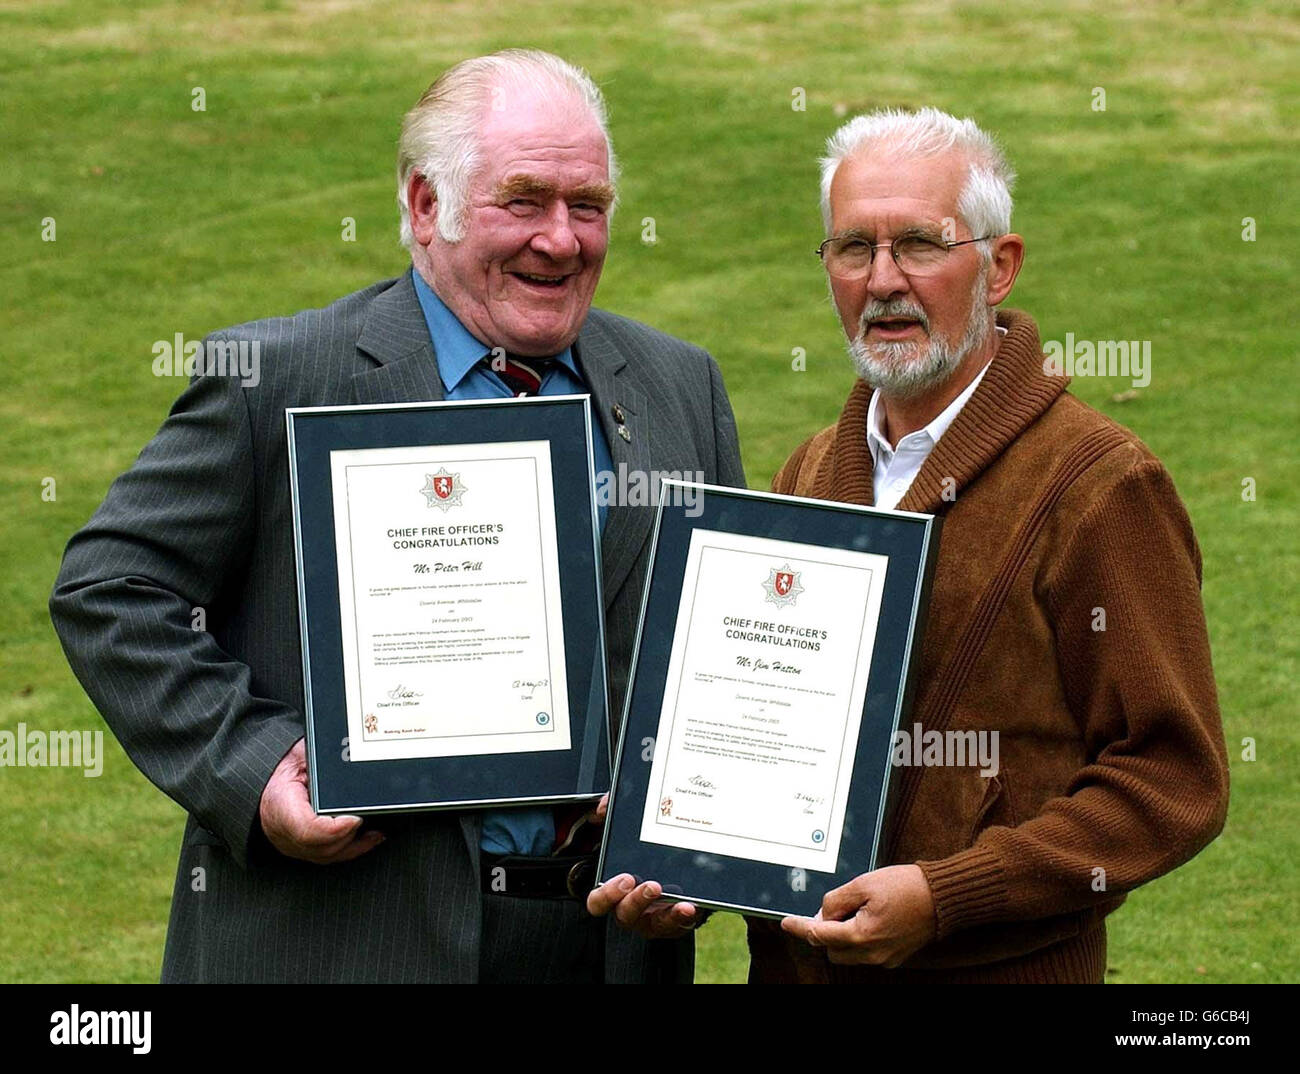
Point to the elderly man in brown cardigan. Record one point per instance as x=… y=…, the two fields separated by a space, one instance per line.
x=1066 y=612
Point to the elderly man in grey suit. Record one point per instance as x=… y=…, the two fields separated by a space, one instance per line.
x=506 y=183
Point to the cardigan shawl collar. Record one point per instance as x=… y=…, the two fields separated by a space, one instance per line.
x=1014 y=393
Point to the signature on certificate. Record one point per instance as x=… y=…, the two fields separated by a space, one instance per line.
x=531 y=685
x=809 y=800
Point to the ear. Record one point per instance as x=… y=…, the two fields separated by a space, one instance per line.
x=423 y=207
x=1008 y=256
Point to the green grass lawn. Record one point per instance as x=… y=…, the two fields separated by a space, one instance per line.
x=170 y=220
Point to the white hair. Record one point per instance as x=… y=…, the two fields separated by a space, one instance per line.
x=985 y=199
x=440 y=135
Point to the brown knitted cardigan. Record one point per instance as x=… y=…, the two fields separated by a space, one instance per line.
x=1111 y=747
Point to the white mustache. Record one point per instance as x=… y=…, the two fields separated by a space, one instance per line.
x=877 y=310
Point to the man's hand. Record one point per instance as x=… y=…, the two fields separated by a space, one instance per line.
x=879 y=918
x=295 y=830
x=636 y=907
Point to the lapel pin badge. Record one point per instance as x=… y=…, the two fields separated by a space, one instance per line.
x=619 y=415
x=622 y=431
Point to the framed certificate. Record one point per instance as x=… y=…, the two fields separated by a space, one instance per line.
x=449 y=597
x=772 y=670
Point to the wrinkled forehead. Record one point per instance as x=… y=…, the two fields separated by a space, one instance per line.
x=879 y=181
x=521 y=118
x=543 y=152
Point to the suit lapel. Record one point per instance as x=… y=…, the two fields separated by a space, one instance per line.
x=613 y=382
x=396 y=337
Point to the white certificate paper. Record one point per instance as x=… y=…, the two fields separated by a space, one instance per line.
x=449 y=592
x=766 y=683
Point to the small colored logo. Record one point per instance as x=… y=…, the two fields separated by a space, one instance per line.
x=666 y=807
x=372 y=723
x=543 y=718
x=819 y=836
x=443 y=490
x=782 y=586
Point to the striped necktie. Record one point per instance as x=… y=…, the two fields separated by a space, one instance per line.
x=523 y=376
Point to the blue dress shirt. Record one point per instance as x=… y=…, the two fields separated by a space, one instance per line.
x=528 y=829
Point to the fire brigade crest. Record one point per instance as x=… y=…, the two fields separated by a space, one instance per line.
x=782 y=586
x=443 y=490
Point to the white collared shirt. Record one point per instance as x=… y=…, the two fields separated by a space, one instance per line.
x=895 y=468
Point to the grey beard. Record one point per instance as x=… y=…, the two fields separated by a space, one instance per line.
x=906 y=370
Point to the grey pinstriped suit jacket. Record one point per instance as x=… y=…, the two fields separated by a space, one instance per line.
x=203 y=519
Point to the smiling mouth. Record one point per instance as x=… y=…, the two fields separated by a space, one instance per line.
x=541 y=280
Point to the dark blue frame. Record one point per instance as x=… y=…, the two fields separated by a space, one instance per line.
x=719 y=881
x=475 y=781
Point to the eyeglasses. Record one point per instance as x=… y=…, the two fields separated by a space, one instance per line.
x=849 y=257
